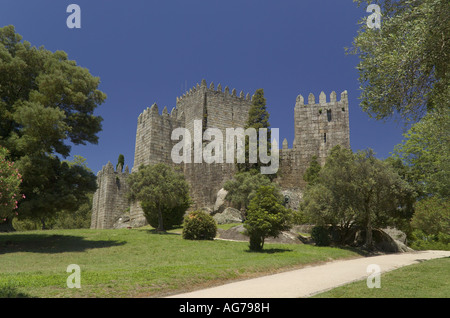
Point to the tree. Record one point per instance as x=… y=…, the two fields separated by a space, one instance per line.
x=10 y=180
x=426 y=151
x=355 y=189
x=431 y=224
x=404 y=65
x=53 y=186
x=258 y=117
x=120 y=161
x=243 y=186
x=312 y=173
x=432 y=216
x=266 y=216
x=162 y=192
x=330 y=199
x=46 y=102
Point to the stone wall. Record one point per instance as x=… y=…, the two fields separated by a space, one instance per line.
x=215 y=109
x=110 y=200
x=319 y=126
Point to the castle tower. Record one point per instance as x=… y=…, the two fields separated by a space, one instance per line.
x=110 y=200
x=216 y=109
x=319 y=126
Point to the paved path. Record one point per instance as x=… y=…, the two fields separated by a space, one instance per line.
x=314 y=279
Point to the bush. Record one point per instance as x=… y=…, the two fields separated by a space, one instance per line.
x=172 y=217
x=266 y=216
x=199 y=225
x=432 y=216
x=431 y=225
x=422 y=241
x=320 y=235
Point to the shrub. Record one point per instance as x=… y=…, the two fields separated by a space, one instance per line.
x=171 y=217
x=163 y=194
x=431 y=224
x=199 y=225
x=266 y=216
x=320 y=235
x=10 y=180
x=422 y=241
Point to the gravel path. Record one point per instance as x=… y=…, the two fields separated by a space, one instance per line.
x=311 y=280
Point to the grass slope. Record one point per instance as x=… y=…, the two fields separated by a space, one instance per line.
x=136 y=262
x=429 y=279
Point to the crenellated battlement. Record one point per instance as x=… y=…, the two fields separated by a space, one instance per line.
x=153 y=112
x=320 y=123
x=203 y=87
x=108 y=169
x=322 y=99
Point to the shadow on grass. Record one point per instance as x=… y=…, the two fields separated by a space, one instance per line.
x=270 y=250
x=154 y=231
x=45 y=243
x=12 y=292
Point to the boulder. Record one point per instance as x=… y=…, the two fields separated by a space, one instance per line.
x=122 y=222
x=396 y=234
x=382 y=242
x=229 y=215
x=292 y=198
x=238 y=233
x=219 y=205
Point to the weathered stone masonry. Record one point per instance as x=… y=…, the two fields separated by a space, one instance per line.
x=110 y=201
x=318 y=128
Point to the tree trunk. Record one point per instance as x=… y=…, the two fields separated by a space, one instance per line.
x=369 y=241
x=6 y=226
x=160 y=220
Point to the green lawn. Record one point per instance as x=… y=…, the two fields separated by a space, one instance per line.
x=136 y=262
x=429 y=279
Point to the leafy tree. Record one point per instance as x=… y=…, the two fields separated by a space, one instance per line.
x=404 y=65
x=355 y=189
x=78 y=219
x=432 y=216
x=243 y=186
x=62 y=187
x=10 y=180
x=431 y=224
x=403 y=215
x=312 y=173
x=426 y=151
x=330 y=199
x=46 y=102
x=266 y=216
x=162 y=192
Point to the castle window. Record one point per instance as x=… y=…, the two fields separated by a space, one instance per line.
x=325 y=137
x=329 y=114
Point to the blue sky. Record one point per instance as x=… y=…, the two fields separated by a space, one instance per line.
x=147 y=52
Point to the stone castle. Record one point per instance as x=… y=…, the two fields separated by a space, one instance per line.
x=319 y=126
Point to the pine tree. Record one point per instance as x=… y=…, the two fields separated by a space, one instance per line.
x=258 y=117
